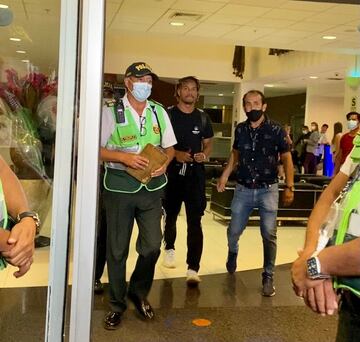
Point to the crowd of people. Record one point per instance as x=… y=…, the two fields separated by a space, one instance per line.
x=185 y=133
x=326 y=273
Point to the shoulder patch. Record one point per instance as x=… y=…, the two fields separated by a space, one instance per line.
x=110 y=103
x=152 y=102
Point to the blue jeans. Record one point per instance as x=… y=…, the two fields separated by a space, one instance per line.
x=243 y=203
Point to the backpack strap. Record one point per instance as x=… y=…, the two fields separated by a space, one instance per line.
x=153 y=108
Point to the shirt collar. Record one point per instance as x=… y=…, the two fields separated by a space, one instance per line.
x=128 y=105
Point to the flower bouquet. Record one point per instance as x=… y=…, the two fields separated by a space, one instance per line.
x=27 y=120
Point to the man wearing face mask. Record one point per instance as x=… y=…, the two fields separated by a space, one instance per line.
x=127 y=127
x=258 y=145
x=346 y=141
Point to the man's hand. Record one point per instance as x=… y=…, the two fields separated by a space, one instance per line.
x=183 y=157
x=22 y=239
x=160 y=171
x=200 y=157
x=221 y=184
x=299 y=276
x=136 y=161
x=322 y=298
x=287 y=197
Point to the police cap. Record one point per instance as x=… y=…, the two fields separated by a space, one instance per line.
x=140 y=69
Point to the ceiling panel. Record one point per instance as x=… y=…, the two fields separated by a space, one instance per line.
x=306 y=6
x=286 y=14
x=348 y=9
x=163 y=25
x=271 y=23
x=260 y=3
x=228 y=19
x=248 y=33
x=197 y=5
x=312 y=27
x=329 y=18
x=211 y=30
x=243 y=11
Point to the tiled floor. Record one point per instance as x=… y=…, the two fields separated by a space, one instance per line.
x=233 y=304
x=213 y=259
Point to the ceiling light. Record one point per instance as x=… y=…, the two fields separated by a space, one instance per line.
x=4 y=6
x=220 y=94
x=20 y=51
x=25 y=60
x=177 y=23
x=15 y=39
x=269 y=85
x=329 y=37
x=313 y=77
x=233 y=92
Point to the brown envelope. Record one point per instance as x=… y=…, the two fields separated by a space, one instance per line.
x=157 y=158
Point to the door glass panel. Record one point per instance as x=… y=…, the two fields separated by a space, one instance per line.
x=29 y=55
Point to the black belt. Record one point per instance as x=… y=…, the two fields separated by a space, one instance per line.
x=261 y=185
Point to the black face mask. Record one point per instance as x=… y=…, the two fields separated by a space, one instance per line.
x=254 y=114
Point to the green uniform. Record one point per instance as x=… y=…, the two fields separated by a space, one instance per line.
x=127 y=200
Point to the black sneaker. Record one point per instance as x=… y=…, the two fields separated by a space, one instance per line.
x=231 y=262
x=268 y=289
x=98 y=287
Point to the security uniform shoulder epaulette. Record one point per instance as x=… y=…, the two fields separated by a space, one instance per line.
x=110 y=103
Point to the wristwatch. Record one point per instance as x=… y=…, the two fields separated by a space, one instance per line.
x=290 y=187
x=33 y=215
x=314 y=268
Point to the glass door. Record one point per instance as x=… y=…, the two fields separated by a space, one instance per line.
x=38 y=56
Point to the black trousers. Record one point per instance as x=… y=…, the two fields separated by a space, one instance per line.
x=349 y=318
x=121 y=211
x=189 y=189
x=101 y=231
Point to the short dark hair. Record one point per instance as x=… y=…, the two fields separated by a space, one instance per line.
x=306 y=127
x=353 y=113
x=186 y=79
x=257 y=92
x=325 y=125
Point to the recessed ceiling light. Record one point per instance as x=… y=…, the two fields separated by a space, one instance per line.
x=220 y=94
x=313 y=77
x=4 y=6
x=329 y=37
x=269 y=85
x=177 y=23
x=233 y=92
x=25 y=60
x=15 y=39
x=20 y=51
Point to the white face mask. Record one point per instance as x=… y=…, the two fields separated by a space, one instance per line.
x=352 y=124
x=141 y=91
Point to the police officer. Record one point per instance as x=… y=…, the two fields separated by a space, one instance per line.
x=127 y=127
x=186 y=175
x=313 y=271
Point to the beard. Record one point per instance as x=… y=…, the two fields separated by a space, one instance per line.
x=189 y=100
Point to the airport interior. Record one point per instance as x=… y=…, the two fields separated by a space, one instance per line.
x=55 y=58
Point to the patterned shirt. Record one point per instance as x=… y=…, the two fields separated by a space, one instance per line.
x=259 y=150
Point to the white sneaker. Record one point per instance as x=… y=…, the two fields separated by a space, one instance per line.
x=169 y=258
x=192 y=277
